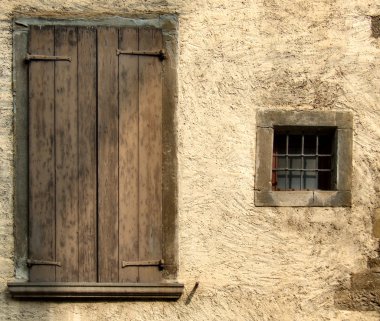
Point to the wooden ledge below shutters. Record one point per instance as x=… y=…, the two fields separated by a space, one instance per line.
x=69 y=290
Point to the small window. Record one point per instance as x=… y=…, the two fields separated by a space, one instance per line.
x=303 y=159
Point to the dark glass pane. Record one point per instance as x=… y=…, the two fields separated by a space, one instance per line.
x=324 y=180
x=295 y=180
x=281 y=162
x=280 y=181
x=279 y=146
x=310 y=144
x=310 y=180
x=295 y=144
x=324 y=162
x=295 y=162
x=325 y=144
x=310 y=162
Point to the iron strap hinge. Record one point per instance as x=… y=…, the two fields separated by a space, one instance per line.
x=30 y=57
x=160 y=54
x=30 y=262
x=159 y=263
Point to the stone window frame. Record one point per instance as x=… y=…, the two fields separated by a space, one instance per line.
x=266 y=121
x=169 y=288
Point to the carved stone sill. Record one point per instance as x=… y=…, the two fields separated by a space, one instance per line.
x=32 y=290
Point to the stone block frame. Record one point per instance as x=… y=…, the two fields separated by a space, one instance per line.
x=340 y=195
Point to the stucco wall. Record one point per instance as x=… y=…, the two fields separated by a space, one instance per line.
x=234 y=58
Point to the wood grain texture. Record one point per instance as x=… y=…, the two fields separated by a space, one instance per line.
x=66 y=132
x=107 y=127
x=21 y=133
x=87 y=242
x=128 y=155
x=150 y=154
x=108 y=229
x=41 y=155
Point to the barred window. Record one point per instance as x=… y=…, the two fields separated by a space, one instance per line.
x=302 y=159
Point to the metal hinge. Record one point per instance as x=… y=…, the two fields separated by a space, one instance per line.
x=30 y=262
x=160 y=54
x=159 y=263
x=30 y=57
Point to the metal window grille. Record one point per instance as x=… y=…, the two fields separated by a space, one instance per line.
x=302 y=160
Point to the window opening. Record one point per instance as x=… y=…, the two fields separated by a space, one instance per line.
x=302 y=159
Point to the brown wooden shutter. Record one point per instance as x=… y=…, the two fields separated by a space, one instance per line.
x=140 y=154
x=87 y=162
x=62 y=155
x=41 y=156
x=150 y=154
x=95 y=155
x=129 y=154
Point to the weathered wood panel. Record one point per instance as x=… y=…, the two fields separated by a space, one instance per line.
x=66 y=132
x=87 y=155
x=128 y=154
x=41 y=155
x=108 y=260
x=150 y=154
x=104 y=185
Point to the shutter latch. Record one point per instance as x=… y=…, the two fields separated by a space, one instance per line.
x=30 y=57
x=30 y=262
x=159 y=263
x=160 y=54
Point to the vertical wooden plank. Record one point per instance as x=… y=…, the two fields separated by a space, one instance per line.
x=66 y=131
x=150 y=154
x=128 y=154
x=21 y=133
x=87 y=154
x=41 y=155
x=108 y=260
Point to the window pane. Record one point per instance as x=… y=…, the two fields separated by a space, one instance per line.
x=295 y=162
x=295 y=180
x=295 y=144
x=324 y=180
x=310 y=162
x=281 y=180
x=325 y=144
x=279 y=146
x=310 y=144
x=324 y=162
x=310 y=180
x=281 y=162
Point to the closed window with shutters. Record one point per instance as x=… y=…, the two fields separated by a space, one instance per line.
x=95 y=162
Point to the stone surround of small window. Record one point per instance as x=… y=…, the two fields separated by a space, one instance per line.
x=303 y=158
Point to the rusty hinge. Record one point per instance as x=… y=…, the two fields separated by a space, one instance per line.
x=160 y=54
x=30 y=262
x=30 y=57
x=159 y=263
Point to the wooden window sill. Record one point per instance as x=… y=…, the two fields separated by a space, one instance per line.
x=35 y=290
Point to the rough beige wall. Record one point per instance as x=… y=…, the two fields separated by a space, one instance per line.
x=235 y=57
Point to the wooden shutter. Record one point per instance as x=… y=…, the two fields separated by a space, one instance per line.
x=140 y=154
x=62 y=155
x=95 y=155
x=130 y=154
x=42 y=156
